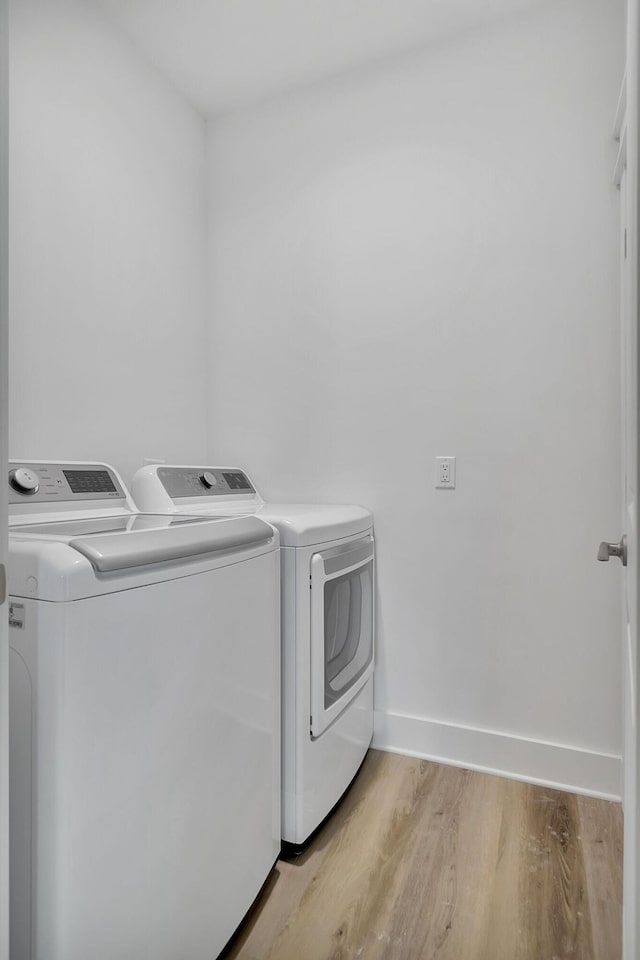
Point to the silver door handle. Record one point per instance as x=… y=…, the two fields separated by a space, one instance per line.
x=613 y=550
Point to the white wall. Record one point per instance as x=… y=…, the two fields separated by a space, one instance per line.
x=421 y=259
x=108 y=237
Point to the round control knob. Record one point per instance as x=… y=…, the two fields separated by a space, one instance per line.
x=24 y=481
x=208 y=480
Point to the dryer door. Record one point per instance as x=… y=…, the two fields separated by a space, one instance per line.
x=341 y=628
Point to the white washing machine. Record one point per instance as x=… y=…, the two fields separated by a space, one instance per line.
x=144 y=720
x=327 y=556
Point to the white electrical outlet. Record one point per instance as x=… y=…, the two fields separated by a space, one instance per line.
x=445 y=473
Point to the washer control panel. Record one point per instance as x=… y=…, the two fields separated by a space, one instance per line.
x=204 y=482
x=49 y=482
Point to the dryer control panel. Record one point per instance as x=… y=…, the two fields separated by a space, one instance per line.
x=59 y=482
x=204 y=482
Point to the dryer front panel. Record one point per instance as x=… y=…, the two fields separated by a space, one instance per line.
x=342 y=654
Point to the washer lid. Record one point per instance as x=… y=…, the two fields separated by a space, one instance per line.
x=306 y=524
x=65 y=530
x=118 y=543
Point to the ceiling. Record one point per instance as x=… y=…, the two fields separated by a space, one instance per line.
x=222 y=54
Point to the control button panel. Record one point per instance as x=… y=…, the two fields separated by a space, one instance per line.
x=204 y=482
x=237 y=480
x=90 y=481
x=51 y=482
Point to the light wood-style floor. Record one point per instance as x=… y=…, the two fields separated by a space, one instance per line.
x=427 y=862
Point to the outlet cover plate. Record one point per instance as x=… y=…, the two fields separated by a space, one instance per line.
x=445 y=473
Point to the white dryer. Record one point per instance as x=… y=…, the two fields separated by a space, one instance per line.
x=327 y=557
x=144 y=720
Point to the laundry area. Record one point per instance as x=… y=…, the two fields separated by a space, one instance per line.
x=320 y=375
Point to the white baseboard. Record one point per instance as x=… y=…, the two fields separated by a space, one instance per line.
x=518 y=758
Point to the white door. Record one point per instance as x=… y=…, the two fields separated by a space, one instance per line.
x=630 y=592
x=627 y=175
x=4 y=309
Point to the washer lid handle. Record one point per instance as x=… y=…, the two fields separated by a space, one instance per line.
x=136 y=548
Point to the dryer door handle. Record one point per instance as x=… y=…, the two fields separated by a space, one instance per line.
x=335 y=565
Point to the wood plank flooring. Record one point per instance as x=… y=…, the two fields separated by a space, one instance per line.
x=427 y=862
